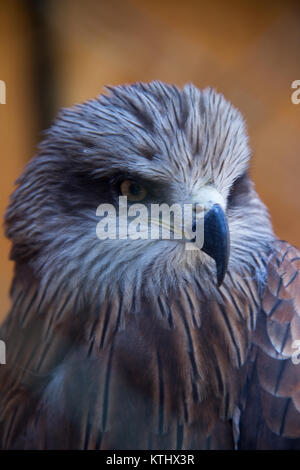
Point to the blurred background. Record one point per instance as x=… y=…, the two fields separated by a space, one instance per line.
x=54 y=53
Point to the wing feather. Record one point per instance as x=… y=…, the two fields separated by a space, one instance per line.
x=274 y=391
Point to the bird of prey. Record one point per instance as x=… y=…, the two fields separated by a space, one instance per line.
x=142 y=343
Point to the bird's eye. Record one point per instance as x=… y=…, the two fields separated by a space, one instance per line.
x=134 y=191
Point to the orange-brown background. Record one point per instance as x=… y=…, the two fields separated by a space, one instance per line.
x=248 y=50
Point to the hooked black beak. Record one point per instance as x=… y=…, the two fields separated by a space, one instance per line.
x=216 y=239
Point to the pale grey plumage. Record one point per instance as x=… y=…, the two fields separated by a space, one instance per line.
x=140 y=321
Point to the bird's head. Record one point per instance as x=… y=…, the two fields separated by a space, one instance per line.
x=155 y=144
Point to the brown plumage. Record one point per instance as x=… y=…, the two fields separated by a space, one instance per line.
x=131 y=344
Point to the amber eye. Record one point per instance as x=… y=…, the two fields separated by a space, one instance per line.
x=133 y=191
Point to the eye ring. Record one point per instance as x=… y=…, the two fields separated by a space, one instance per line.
x=133 y=190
